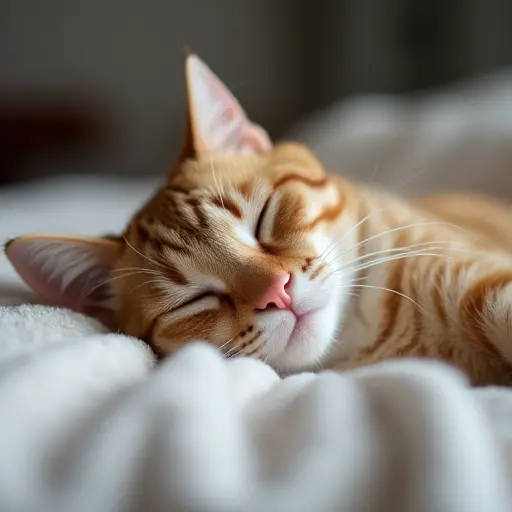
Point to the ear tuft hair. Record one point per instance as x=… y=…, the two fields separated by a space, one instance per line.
x=71 y=272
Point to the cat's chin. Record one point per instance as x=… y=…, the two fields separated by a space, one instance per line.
x=303 y=341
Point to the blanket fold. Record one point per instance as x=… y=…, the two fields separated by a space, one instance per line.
x=89 y=422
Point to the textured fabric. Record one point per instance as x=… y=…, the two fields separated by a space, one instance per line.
x=88 y=422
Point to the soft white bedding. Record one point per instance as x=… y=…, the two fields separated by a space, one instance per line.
x=89 y=423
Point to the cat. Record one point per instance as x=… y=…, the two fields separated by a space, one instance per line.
x=255 y=248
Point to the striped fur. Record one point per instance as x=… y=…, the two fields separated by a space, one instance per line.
x=391 y=277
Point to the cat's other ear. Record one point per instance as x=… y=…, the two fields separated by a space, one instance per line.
x=70 y=272
x=216 y=121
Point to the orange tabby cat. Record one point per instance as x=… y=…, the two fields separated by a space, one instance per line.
x=254 y=248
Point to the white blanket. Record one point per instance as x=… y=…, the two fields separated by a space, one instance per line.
x=89 y=423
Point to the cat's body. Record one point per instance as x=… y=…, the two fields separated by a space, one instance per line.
x=455 y=262
x=257 y=250
x=437 y=266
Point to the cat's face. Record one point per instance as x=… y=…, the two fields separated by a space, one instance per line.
x=237 y=249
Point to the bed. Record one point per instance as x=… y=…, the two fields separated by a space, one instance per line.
x=90 y=422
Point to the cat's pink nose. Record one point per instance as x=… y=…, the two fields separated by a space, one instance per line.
x=275 y=294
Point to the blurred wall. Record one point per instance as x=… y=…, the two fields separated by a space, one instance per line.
x=97 y=85
x=126 y=59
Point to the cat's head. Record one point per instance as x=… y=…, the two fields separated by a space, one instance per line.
x=238 y=248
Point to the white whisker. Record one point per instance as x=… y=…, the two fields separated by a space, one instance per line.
x=386 y=259
x=233 y=351
x=226 y=342
x=394 y=257
x=433 y=244
x=151 y=281
x=139 y=269
x=376 y=170
x=394 y=230
x=355 y=226
x=383 y=288
x=103 y=283
x=143 y=255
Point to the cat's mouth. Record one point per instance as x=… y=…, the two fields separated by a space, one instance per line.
x=299 y=335
x=303 y=322
x=301 y=317
x=296 y=333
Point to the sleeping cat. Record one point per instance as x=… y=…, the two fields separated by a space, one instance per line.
x=254 y=248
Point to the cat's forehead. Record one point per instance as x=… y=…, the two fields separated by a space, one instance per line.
x=231 y=198
x=271 y=167
x=223 y=169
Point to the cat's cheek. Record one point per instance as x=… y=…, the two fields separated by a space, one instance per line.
x=320 y=242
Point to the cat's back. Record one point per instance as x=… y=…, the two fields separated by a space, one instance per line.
x=487 y=217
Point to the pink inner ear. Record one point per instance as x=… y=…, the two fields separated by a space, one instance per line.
x=61 y=272
x=19 y=254
x=230 y=113
x=253 y=138
x=219 y=123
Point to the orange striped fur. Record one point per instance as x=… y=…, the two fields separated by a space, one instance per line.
x=373 y=276
x=442 y=288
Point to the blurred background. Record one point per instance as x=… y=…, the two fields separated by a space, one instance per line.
x=377 y=88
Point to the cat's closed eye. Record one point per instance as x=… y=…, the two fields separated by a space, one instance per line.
x=195 y=299
x=222 y=297
x=257 y=230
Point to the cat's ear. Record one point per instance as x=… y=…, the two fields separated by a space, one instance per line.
x=216 y=121
x=71 y=272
